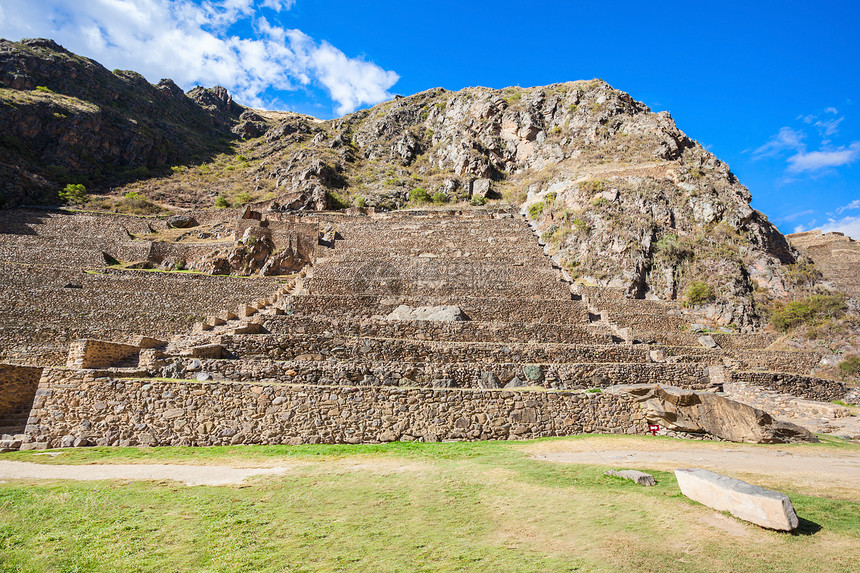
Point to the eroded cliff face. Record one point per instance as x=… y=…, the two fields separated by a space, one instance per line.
x=619 y=195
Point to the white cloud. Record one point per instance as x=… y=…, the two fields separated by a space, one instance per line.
x=786 y=140
x=829 y=127
x=278 y=5
x=798 y=215
x=848 y=225
x=855 y=204
x=197 y=44
x=816 y=160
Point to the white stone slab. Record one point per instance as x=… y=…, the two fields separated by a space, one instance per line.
x=752 y=503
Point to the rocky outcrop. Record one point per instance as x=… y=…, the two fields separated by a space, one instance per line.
x=254 y=253
x=694 y=412
x=752 y=503
x=67 y=119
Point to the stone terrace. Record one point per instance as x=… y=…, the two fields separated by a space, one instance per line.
x=54 y=287
x=318 y=359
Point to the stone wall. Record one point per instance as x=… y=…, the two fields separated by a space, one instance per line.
x=292 y=346
x=459 y=375
x=100 y=354
x=17 y=388
x=727 y=341
x=75 y=407
x=796 y=385
x=45 y=308
x=520 y=310
x=797 y=362
x=439 y=331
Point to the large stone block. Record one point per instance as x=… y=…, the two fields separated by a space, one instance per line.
x=752 y=503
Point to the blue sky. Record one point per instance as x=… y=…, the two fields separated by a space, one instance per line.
x=771 y=88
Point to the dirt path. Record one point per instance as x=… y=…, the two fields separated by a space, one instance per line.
x=187 y=474
x=805 y=467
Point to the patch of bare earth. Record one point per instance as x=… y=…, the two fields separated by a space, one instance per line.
x=811 y=469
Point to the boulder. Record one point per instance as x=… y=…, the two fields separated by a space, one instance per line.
x=705 y=413
x=708 y=341
x=481 y=188
x=181 y=222
x=445 y=313
x=633 y=475
x=752 y=503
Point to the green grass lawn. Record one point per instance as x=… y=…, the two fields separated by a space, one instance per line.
x=482 y=506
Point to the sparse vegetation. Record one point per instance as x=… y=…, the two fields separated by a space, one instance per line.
x=813 y=310
x=536 y=209
x=850 y=366
x=133 y=203
x=699 y=293
x=673 y=250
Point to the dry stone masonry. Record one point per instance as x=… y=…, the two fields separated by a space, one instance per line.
x=408 y=325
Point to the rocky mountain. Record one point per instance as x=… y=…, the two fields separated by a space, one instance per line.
x=67 y=119
x=618 y=195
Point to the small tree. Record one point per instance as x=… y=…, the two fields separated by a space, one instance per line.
x=74 y=194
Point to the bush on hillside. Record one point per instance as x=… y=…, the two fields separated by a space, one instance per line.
x=419 y=195
x=812 y=310
x=698 y=293
x=440 y=198
x=74 y=194
x=851 y=365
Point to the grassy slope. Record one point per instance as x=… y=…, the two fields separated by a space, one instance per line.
x=399 y=507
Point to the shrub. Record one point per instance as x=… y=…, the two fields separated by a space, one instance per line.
x=698 y=293
x=135 y=203
x=241 y=198
x=335 y=201
x=536 y=209
x=74 y=193
x=851 y=365
x=581 y=225
x=419 y=195
x=673 y=250
x=592 y=186
x=477 y=200
x=45 y=89
x=812 y=310
x=360 y=201
x=440 y=198
x=221 y=202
